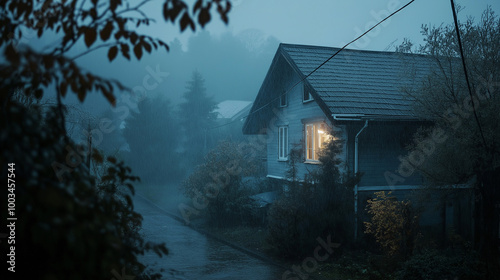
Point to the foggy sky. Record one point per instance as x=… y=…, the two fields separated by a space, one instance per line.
x=333 y=22
x=234 y=59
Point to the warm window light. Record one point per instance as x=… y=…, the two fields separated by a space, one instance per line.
x=316 y=138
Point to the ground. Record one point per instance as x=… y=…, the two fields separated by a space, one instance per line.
x=253 y=238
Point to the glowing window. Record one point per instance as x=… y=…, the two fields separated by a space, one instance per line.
x=315 y=138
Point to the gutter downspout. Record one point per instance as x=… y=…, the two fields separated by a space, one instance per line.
x=356 y=186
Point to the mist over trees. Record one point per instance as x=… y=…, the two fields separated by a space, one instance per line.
x=164 y=140
x=240 y=58
x=197 y=116
x=71 y=222
x=152 y=134
x=111 y=140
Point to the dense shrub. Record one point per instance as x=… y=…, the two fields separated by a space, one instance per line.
x=361 y=265
x=69 y=225
x=393 y=224
x=432 y=265
x=298 y=218
x=318 y=206
x=216 y=185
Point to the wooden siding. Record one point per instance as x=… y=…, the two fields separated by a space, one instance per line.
x=291 y=116
x=381 y=145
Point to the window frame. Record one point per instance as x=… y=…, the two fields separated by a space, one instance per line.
x=283 y=100
x=283 y=143
x=313 y=140
x=308 y=92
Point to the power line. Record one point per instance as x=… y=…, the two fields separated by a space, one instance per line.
x=317 y=68
x=465 y=72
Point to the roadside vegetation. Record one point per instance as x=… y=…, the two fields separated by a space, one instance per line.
x=73 y=205
x=64 y=209
x=320 y=205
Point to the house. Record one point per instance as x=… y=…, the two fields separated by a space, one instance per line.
x=229 y=120
x=231 y=110
x=360 y=95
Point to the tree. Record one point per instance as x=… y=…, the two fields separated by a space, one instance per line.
x=69 y=224
x=216 y=184
x=466 y=120
x=100 y=24
x=197 y=116
x=109 y=133
x=153 y=138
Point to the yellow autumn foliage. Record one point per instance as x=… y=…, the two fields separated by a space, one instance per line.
x=392 y=223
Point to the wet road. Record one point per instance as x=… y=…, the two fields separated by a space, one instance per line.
x=193 y=255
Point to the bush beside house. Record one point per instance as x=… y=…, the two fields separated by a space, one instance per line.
x=318 y=205
x=216 y=184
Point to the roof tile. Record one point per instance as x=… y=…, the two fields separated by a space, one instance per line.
x=360 y=82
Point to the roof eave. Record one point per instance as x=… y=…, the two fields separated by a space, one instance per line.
x=384 y=118
x=247 y=129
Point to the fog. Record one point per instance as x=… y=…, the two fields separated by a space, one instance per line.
x=178 y=125
x=150 y=126
x=242 y=59
x=231 y=65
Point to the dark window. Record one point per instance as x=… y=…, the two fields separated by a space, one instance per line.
x=307 y=95
x=283 y=100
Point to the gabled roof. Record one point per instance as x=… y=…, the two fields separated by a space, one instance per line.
x=354 y=82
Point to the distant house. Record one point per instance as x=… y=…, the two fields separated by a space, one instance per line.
x=357 y=93
x=231 y=110
x=229 y=120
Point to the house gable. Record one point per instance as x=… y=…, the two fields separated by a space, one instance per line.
x=283 y=77
x=271 y=118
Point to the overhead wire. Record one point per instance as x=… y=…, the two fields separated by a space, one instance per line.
x=455 y=20
x=315 y=69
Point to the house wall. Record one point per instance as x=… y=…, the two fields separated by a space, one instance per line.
x=380 y=146
x=443 y=214
x=293 y=116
